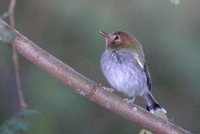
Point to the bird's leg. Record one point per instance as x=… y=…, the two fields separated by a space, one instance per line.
x=129 y=100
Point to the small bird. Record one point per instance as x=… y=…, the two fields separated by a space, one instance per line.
x=124 y=66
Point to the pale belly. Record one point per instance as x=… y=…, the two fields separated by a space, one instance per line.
x=123 y=73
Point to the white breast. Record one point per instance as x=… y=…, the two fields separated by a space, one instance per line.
x=123 y=72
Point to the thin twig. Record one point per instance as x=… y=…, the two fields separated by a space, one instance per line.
x=11 y=11
x=22 y=104
x=85 y=87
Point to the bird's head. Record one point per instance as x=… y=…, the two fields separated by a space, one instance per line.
x=121 y=40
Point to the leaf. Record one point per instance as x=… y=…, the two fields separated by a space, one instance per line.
x=19 y=122
x=145 y=131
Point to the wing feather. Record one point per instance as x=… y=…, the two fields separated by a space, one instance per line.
x=145 y=68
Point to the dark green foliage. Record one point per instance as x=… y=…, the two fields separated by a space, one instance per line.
x=19 y=122
x=6 y=36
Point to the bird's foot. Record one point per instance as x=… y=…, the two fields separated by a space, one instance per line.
x=105 y=88
x=129 y=100
x=108 y=89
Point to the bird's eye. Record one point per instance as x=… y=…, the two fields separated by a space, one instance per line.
x=116 y=37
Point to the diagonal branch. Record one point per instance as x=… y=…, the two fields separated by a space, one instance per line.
x=83 y=85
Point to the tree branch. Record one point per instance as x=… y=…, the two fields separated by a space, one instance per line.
x=83 y=85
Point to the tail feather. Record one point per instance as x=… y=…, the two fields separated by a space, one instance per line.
x=151 y=104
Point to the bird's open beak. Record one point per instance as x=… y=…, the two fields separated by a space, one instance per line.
x=105 y=35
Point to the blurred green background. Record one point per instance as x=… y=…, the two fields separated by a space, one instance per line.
x=68 y=29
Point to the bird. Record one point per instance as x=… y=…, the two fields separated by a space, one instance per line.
x=124 y=66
